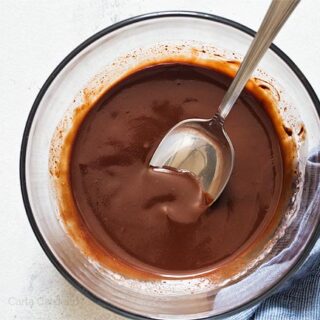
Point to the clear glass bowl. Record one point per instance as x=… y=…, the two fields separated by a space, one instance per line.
x=125 y=44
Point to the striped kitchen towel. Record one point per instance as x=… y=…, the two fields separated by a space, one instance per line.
x=299 y=297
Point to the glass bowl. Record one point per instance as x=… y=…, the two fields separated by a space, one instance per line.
x=99 y=61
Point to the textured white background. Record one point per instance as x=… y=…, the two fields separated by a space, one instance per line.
x=34 y=37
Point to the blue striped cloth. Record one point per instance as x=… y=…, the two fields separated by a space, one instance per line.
x=299 y=297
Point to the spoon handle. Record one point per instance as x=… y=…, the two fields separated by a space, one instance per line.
x=277 y=14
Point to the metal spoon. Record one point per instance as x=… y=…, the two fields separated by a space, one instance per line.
x=201 y=146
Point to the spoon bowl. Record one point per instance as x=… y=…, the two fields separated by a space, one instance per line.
x=199 y=146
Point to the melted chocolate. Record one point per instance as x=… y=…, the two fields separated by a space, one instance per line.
x=137 y=214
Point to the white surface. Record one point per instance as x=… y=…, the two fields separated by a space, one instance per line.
x=35 y=36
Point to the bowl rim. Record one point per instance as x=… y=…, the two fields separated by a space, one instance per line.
x=24 y=144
